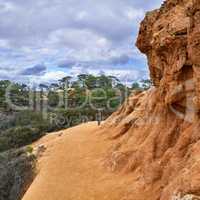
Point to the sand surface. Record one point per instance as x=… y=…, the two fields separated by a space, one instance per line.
x=71 y=168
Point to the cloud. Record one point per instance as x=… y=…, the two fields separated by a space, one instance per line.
x=121 y=60
x=6 y=7
x=67 y=63
x=36 y=70
x=53 y=76
x=124 y=73
x=98 y=62
x=48 y=77
x=70 y=33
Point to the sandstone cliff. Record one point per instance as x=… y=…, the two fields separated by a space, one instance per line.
x=157 y=133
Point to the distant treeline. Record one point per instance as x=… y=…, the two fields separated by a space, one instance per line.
x=27 y=112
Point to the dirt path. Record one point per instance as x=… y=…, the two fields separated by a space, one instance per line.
x=71 y=168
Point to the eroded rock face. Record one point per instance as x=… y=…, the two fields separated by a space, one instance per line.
x=170 y=51
x=159 y=130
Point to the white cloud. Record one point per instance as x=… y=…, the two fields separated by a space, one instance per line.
x=89 y=32
x=54 y=76
x=132 y=13
x=7 y=6
x=4 y=43
x=47 y=77
x=82 y=15
x=125 y=75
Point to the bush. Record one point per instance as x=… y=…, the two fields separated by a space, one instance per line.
x=29 y=149
x=17 y=172
x=4 y=144
x=22 y=129
x=18 y=137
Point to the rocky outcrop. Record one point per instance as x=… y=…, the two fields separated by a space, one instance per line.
x=157 y=133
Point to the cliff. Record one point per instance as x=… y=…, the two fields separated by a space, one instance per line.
x=158 y=131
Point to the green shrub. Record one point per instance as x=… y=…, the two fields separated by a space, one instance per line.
x=4 y=144
x=29 y=149
x=18 y=137
x=17 y=173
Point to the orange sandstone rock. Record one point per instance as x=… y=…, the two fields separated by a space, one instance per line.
x=159 y=129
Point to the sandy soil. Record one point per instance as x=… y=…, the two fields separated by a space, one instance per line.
x=71 y=168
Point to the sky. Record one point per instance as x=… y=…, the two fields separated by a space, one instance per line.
x=42 y=41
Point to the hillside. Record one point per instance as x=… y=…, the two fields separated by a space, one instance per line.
x=149 y=148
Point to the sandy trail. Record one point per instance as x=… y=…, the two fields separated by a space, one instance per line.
x=71 y=168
